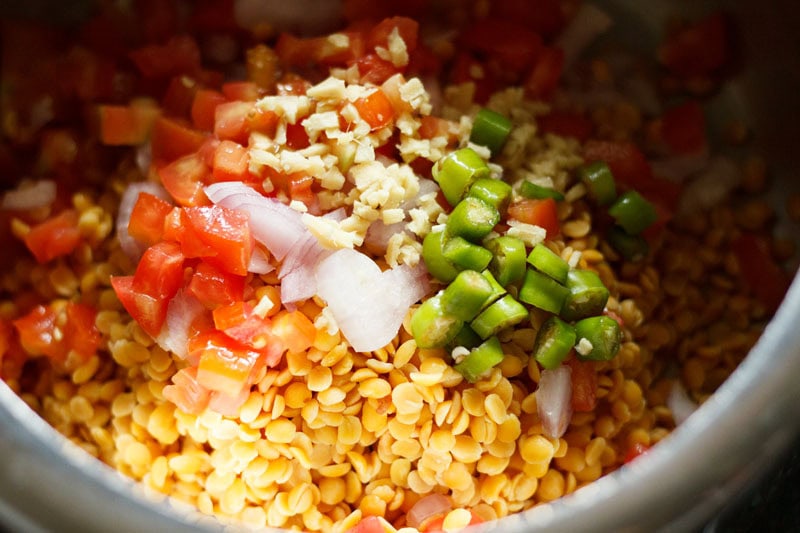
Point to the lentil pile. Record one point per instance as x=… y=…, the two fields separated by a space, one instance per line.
x=327 y=436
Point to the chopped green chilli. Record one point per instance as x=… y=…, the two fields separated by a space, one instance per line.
x=435 y=261
x=466 y=295
x=528 y=189
x=490 y=129
x=472 y=219
x=431 y=326
x=632 y=247
x=542 y=291
x=502 y=314
x=598 y=338
x=587 y=296
x=599 y=182
x=466 y=338
x=508 y=260
x=497 y=289
x=456 y=172
x=554 y=341
x=466 y=255
x=480 y=360
x=633 y=212
x=548 y=262
x=496 y=193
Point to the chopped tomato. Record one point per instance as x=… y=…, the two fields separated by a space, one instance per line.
x=232 y=315
x=186 y=392
x=82 y=334
x=292 y=84
x=468 y=69
x=542 y=213
x=55 y=237
x=763 y=276
x=180 y=55
x=147 y=311
x=374 y=69
x=301 y=189
x=224 y=364
x=172 y=139
x=246 y=91
x=405 y=27
x=178 y=98
x=508 y=43
x=683 y=128
x=204 y=107
x=368 y=524
x=36 y=332
x=627 y=163
x=178 y=229
x=434 y=524
x=375 y=109
x=700 y=49
x=147 y=218
x=294 y=329
x=215 y=287
x=545 y=17
x=584 y=384
x=231 y=162
x=126 y=125
x=263 y=121
x=185 y=178
x=635 y=451
x=543 y=78
x=296 y=51
x=566 y=124
x=160 y=271
x=296 y=136
x=227 y=232
x=231 y=121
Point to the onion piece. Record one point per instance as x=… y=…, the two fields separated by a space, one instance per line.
x=183 y=309
x=428 y=507
x=710 y=187
x=259 y=262
x=129 y=245
x=554 y=400
x=228 y=405
x=679 y=402
x=39 y=194
x=367 y=304
x=588 y=23
x=680 y=167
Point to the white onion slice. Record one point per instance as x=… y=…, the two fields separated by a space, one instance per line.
x=554 y=400
x=427 y=507
x=183 y=309
x=367 y=304
x=588 y=23
x=679 y=402
x=129 y=245
x=710 y=187
x=40 y=194
x=259 y=262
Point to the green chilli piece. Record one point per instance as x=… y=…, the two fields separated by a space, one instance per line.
x=456 y=172
x=604 y=334
x=435 y=261
x=554 y=341
x=497 y=289
x=496 y=193
x=502 y=314
x=542 y=291
x=508 y=260
x=599 y=182
x=490 y=129
x=632 y=247
x=633 y=212
x=548 y=262
x=471 y=219
x=480 y=360
x=466 y=295
x=465 y=255
x=431 y=326
x=587 y=296
x=528 y=189
x=466 y=338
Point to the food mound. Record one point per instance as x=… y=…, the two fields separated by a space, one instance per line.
x=417 y=272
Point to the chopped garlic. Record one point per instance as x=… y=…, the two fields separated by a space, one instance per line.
x=530 y=234
x=584 y=346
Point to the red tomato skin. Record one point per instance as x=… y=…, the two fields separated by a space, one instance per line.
x=227 y=232
x=375 y=109
x=231 y=162
x=374 y=69
x=683 y=128
x=635 y=451
x=147 y=311
x=509 y=44
x=584 y=385
x=160 y=271
x=204 y=107
x=82 y=334
x=543 y=78
x=567 y=124
x=627 y=163
x=408 y=29
x=146 y=224
x=55 y=237
x=231 y=121
x=215 y=287
x=35 y=330
x=171 y=139
x=185 y=178
x=700 y=49
x=542 y=213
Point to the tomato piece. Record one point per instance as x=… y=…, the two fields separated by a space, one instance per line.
x=683 y=128
x=294 y=329
x=55 y=237
x=263 y=121
x=245 y=91
x=126 y=125
x=160 y=271
x=296 y=136
x=407 y=28
x=36 y=331
x=180 y=55
x=375 y=109
x=368 y=524
x=146 y=224
x=147 y=311
x=508 y=43
x=374 y=69
x=215 y=287
x=82 y=334
x=178 y=98
x=186 y=392
x=544 y=17
x=185 y=178
x=178 y=229
x=172 y=139
x=227 y=232
x=566 y=124
x=635 y=451
x=699 y=49
x=434 y=524
x=762 y=275
x=204 y=108
x=224 y=364
x=627 y=163
x=543 y=79
x=301 y=189
x=292 y=84
x=584 y=384
x=231 y=162
x=542 y=213
x=231 y=121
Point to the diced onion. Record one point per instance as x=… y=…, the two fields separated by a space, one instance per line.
x=228 y=405
x=428 y=507
x=554 y=400
x=40 y=194
x=259 y=262
x=183 y=309
x=679 y=402
x=129 y=245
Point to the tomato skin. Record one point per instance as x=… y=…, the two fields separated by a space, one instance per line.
x=368 y=524
x=635 y=451
x=700 y=49
x=245 y=91
x=566 y=124
x=511 y=45
x=231 y=121
x=375 y=109
x=35 y=330
x=543 y=79
x=178 y=98
x=146 y=224
x=227 y=232
x=683 y=128
x=171 y=139
x=82 y=334
x=185 y=178
x=160 y=271
x=374 y=69
x=147 y=311
x=180 y=55
x=760 y=272
x=296 y=136
x=407 y=28
x=55 y=237
x=204 y=107
x=542 y=213
x=186 y=392
x=126 y=125
x=224 y=364
x=584 y=384
x=231 y=162
x=294 y=329
x=215 y=287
